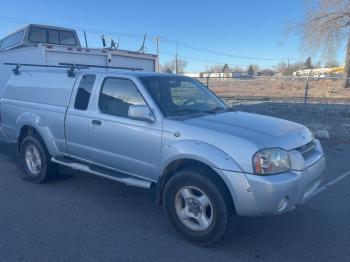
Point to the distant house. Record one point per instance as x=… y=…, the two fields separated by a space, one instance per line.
x=320 y=72
x=240 y=74
x=194 y=75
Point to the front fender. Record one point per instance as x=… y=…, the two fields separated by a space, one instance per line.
x=200 y=151
x=39 y=123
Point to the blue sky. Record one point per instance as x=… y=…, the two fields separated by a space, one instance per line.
x=245 y=28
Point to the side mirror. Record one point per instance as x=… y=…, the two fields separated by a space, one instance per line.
x=141 y=112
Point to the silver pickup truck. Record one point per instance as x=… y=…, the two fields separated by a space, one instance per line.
x=206 y=162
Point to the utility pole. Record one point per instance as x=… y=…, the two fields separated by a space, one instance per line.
x=176 y=59
x=158 y=40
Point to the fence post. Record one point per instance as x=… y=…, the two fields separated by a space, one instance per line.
x=208 y=79
x=306 y=90
x=307 y=87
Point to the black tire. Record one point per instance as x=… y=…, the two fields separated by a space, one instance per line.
x=47 y=171
x=221 y=204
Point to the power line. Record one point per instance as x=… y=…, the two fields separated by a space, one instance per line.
x=89 y=30
x=209 y=61
x=169 y=40
x=204 y=50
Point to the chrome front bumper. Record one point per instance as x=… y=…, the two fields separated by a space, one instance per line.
x=255 y=195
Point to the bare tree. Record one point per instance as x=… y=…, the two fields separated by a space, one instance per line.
x=216 y=68
x=308 y=63
x=181 y=65
x=288 y=69
x=331 y=63
x=170 y=66
x=251 y=70
x=326 y=29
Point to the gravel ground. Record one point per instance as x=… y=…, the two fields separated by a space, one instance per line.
x=80 y=217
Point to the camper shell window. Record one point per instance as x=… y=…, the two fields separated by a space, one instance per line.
x=67 y=38
x=12 y=40
x=52 y=36
x=37 y=35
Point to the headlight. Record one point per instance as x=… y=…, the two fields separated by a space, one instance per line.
x=271 y=161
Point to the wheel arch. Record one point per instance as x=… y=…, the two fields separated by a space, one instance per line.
x=204 y=168
x=27 y=129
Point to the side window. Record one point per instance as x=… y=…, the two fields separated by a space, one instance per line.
x=117 y=95
x=67 y=38
x=84 y=92
x=12 y=40
x=54 y=37
x=38 y=35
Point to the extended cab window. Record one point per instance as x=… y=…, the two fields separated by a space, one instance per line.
x=84 y=92
x=117 y=95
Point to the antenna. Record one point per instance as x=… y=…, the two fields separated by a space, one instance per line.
x=142 y=48
x=114 y=45
x=103 y=40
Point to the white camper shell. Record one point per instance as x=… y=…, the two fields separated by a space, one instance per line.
x=48 y=45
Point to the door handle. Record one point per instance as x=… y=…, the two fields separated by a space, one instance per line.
x=96 y=122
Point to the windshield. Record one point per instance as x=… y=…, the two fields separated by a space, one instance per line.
x=176 y=95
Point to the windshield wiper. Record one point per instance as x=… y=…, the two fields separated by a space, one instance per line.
x=184 y=112
x=181 y=112
x=219 y=110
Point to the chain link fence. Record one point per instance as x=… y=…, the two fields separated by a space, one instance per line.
x=322 y=104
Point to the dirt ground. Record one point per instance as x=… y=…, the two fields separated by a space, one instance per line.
x=279 y=87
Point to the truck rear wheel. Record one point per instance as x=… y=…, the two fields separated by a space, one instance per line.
x=196 y=207
x=35 y=160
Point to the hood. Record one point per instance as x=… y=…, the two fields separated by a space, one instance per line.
x=263 y=131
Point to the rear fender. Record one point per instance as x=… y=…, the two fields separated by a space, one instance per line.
x=39 y=123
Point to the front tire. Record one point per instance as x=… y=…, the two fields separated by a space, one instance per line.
x=35 y=160
x=197 y=206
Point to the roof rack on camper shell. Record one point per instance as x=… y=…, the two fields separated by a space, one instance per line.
x=71 y=67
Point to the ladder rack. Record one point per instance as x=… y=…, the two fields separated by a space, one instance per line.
x=71 y=67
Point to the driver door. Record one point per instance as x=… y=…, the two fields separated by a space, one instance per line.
x=119 y=142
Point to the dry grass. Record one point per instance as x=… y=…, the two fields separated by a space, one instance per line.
x=279 y=87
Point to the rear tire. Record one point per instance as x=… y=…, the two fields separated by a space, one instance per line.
x=197 y=206
x=35 y=160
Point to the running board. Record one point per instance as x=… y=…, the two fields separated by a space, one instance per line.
x=127 y=180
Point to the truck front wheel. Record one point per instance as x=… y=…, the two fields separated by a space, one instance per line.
x=196 y=207
x=35 y=160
